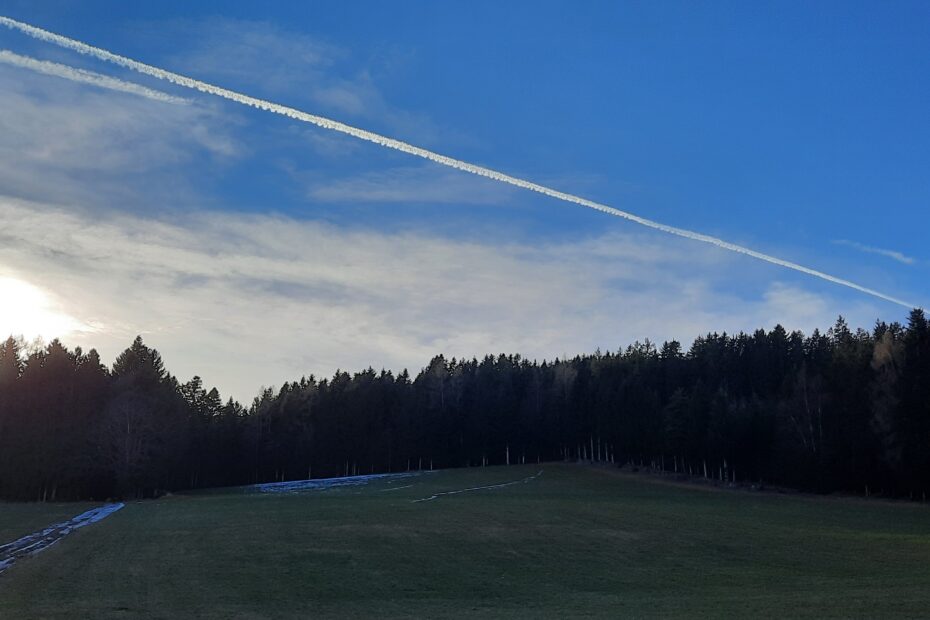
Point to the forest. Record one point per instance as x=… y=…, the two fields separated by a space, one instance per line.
x=836 y=411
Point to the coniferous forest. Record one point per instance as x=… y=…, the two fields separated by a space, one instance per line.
x=840 y=411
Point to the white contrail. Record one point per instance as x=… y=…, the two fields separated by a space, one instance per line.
x=83 y=48
x=85 y=77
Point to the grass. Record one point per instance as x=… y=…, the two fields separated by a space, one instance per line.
x=575 y=542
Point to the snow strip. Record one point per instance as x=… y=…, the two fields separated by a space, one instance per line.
x=321 y=484
x=32 y=544
x=406 y=486
x=491 y=486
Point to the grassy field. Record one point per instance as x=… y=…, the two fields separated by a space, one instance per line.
x=574 y=542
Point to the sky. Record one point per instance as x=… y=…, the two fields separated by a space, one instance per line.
x=251 y=249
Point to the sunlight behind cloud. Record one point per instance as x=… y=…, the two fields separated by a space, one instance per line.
x=28 y=311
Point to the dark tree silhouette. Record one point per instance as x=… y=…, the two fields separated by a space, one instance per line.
x=837 y=411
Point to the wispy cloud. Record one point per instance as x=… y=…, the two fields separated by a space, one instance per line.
x=258 y=53
x=74 y=143
x=277 y=61
x=892 y=254
x=246 y=300
x=409 y=184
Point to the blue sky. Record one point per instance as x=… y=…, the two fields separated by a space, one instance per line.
x=798 y=129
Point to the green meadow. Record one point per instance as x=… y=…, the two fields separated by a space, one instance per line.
x=572 y=542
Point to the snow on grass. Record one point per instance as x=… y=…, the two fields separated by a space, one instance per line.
x=406 y=486
x=298 y=486
x=32 y=544
x=490 y=486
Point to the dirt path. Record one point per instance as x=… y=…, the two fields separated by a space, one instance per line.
x=32 y=544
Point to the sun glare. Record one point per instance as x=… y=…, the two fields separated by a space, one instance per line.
x=28 y=311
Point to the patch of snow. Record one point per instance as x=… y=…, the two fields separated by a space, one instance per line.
x=321 y=484
x=490 y=486
x=406 y=486
x=32 y=544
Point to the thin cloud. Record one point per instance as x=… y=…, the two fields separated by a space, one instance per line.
x=868 y=249
x=406 y=185
x=391 y=143
x=64 y=141
x=259 y=53
x=246 y=300
x=300 y=67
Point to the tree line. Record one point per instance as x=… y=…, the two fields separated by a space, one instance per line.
x=841 y=411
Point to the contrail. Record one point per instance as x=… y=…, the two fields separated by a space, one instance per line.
x=83 y=48
x=85 y=77
x=871 y=249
